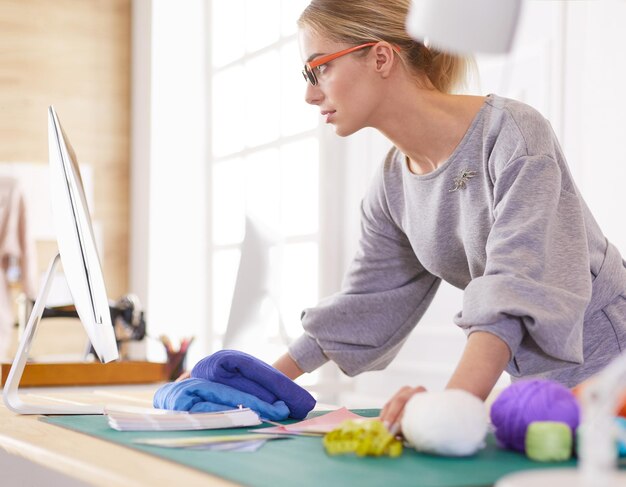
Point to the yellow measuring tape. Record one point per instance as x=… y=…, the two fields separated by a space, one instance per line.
x=363 y=438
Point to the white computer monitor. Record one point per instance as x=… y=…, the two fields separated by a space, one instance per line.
x=81 y=266
x=256 y=288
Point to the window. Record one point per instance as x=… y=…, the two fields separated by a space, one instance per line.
x=264 y=159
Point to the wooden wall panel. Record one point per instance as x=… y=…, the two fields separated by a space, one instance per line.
x=75 y=55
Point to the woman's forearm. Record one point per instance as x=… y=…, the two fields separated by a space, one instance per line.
x=288 y=366
x=483 y=361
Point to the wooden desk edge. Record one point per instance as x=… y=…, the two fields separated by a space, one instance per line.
x=92 y=460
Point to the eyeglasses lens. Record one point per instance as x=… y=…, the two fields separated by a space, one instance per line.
x=309 y=75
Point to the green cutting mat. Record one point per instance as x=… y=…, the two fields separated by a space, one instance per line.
x=302 y=461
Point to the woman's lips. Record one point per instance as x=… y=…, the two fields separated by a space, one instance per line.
x=328 y=114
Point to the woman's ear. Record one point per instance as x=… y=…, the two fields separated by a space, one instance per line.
x=383 y=57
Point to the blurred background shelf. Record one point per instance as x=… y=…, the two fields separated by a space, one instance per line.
x=81 y=374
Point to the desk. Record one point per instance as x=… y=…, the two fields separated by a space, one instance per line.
x=81 y=459
x=78 y=459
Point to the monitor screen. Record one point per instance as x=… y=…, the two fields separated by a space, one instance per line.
x=77 y=245
x=254 y=303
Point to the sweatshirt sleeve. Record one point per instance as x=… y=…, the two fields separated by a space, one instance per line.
x=384 y=294
x=537 y=283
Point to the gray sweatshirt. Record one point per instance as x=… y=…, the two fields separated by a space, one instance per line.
x=501 y=219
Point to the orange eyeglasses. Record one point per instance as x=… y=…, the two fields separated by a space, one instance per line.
x=309 y=74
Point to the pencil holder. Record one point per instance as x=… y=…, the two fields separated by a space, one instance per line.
x=175 y=364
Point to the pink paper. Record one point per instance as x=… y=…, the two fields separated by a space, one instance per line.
x=316 y=426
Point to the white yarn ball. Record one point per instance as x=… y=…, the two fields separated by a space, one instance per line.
x=450 y=423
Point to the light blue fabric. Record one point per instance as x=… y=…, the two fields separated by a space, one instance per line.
x=200 y=395
x=621 y=445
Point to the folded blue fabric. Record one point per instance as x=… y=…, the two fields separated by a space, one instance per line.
x=249 y=374
x=200 y=395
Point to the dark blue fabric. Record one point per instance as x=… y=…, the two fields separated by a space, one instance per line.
x=200 y=395
x=249 y=374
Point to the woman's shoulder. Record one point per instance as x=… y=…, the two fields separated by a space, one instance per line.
x=391 y=172
x=519 y=125
x=384 y=195
x=386 y=182
x=515 y=109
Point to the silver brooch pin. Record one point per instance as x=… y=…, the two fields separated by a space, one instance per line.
x=462 y=180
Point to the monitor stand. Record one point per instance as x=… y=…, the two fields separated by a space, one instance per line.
x=10 y=394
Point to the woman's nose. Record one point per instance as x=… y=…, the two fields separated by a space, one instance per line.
x=313 y=95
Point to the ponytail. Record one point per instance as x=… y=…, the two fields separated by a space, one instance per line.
x=446 y=71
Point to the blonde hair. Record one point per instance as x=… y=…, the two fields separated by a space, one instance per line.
x=359 y=21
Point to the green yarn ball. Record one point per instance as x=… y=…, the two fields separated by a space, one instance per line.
x=549 y=441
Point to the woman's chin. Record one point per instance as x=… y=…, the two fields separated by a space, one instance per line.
x=343 y=131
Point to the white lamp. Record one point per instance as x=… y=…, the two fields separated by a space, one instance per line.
x=465 y=26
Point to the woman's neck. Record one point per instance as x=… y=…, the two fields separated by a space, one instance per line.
x=425 y=124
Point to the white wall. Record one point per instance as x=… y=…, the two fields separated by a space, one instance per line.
x=595 y=108
x=168 y=171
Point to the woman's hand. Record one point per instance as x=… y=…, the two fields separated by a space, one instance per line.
x=391 y=415
x=484 y=358
x=183 y=376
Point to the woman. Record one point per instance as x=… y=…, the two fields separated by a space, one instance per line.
x=476 y=192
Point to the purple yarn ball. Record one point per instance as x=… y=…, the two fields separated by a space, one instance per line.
x=526 y=401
